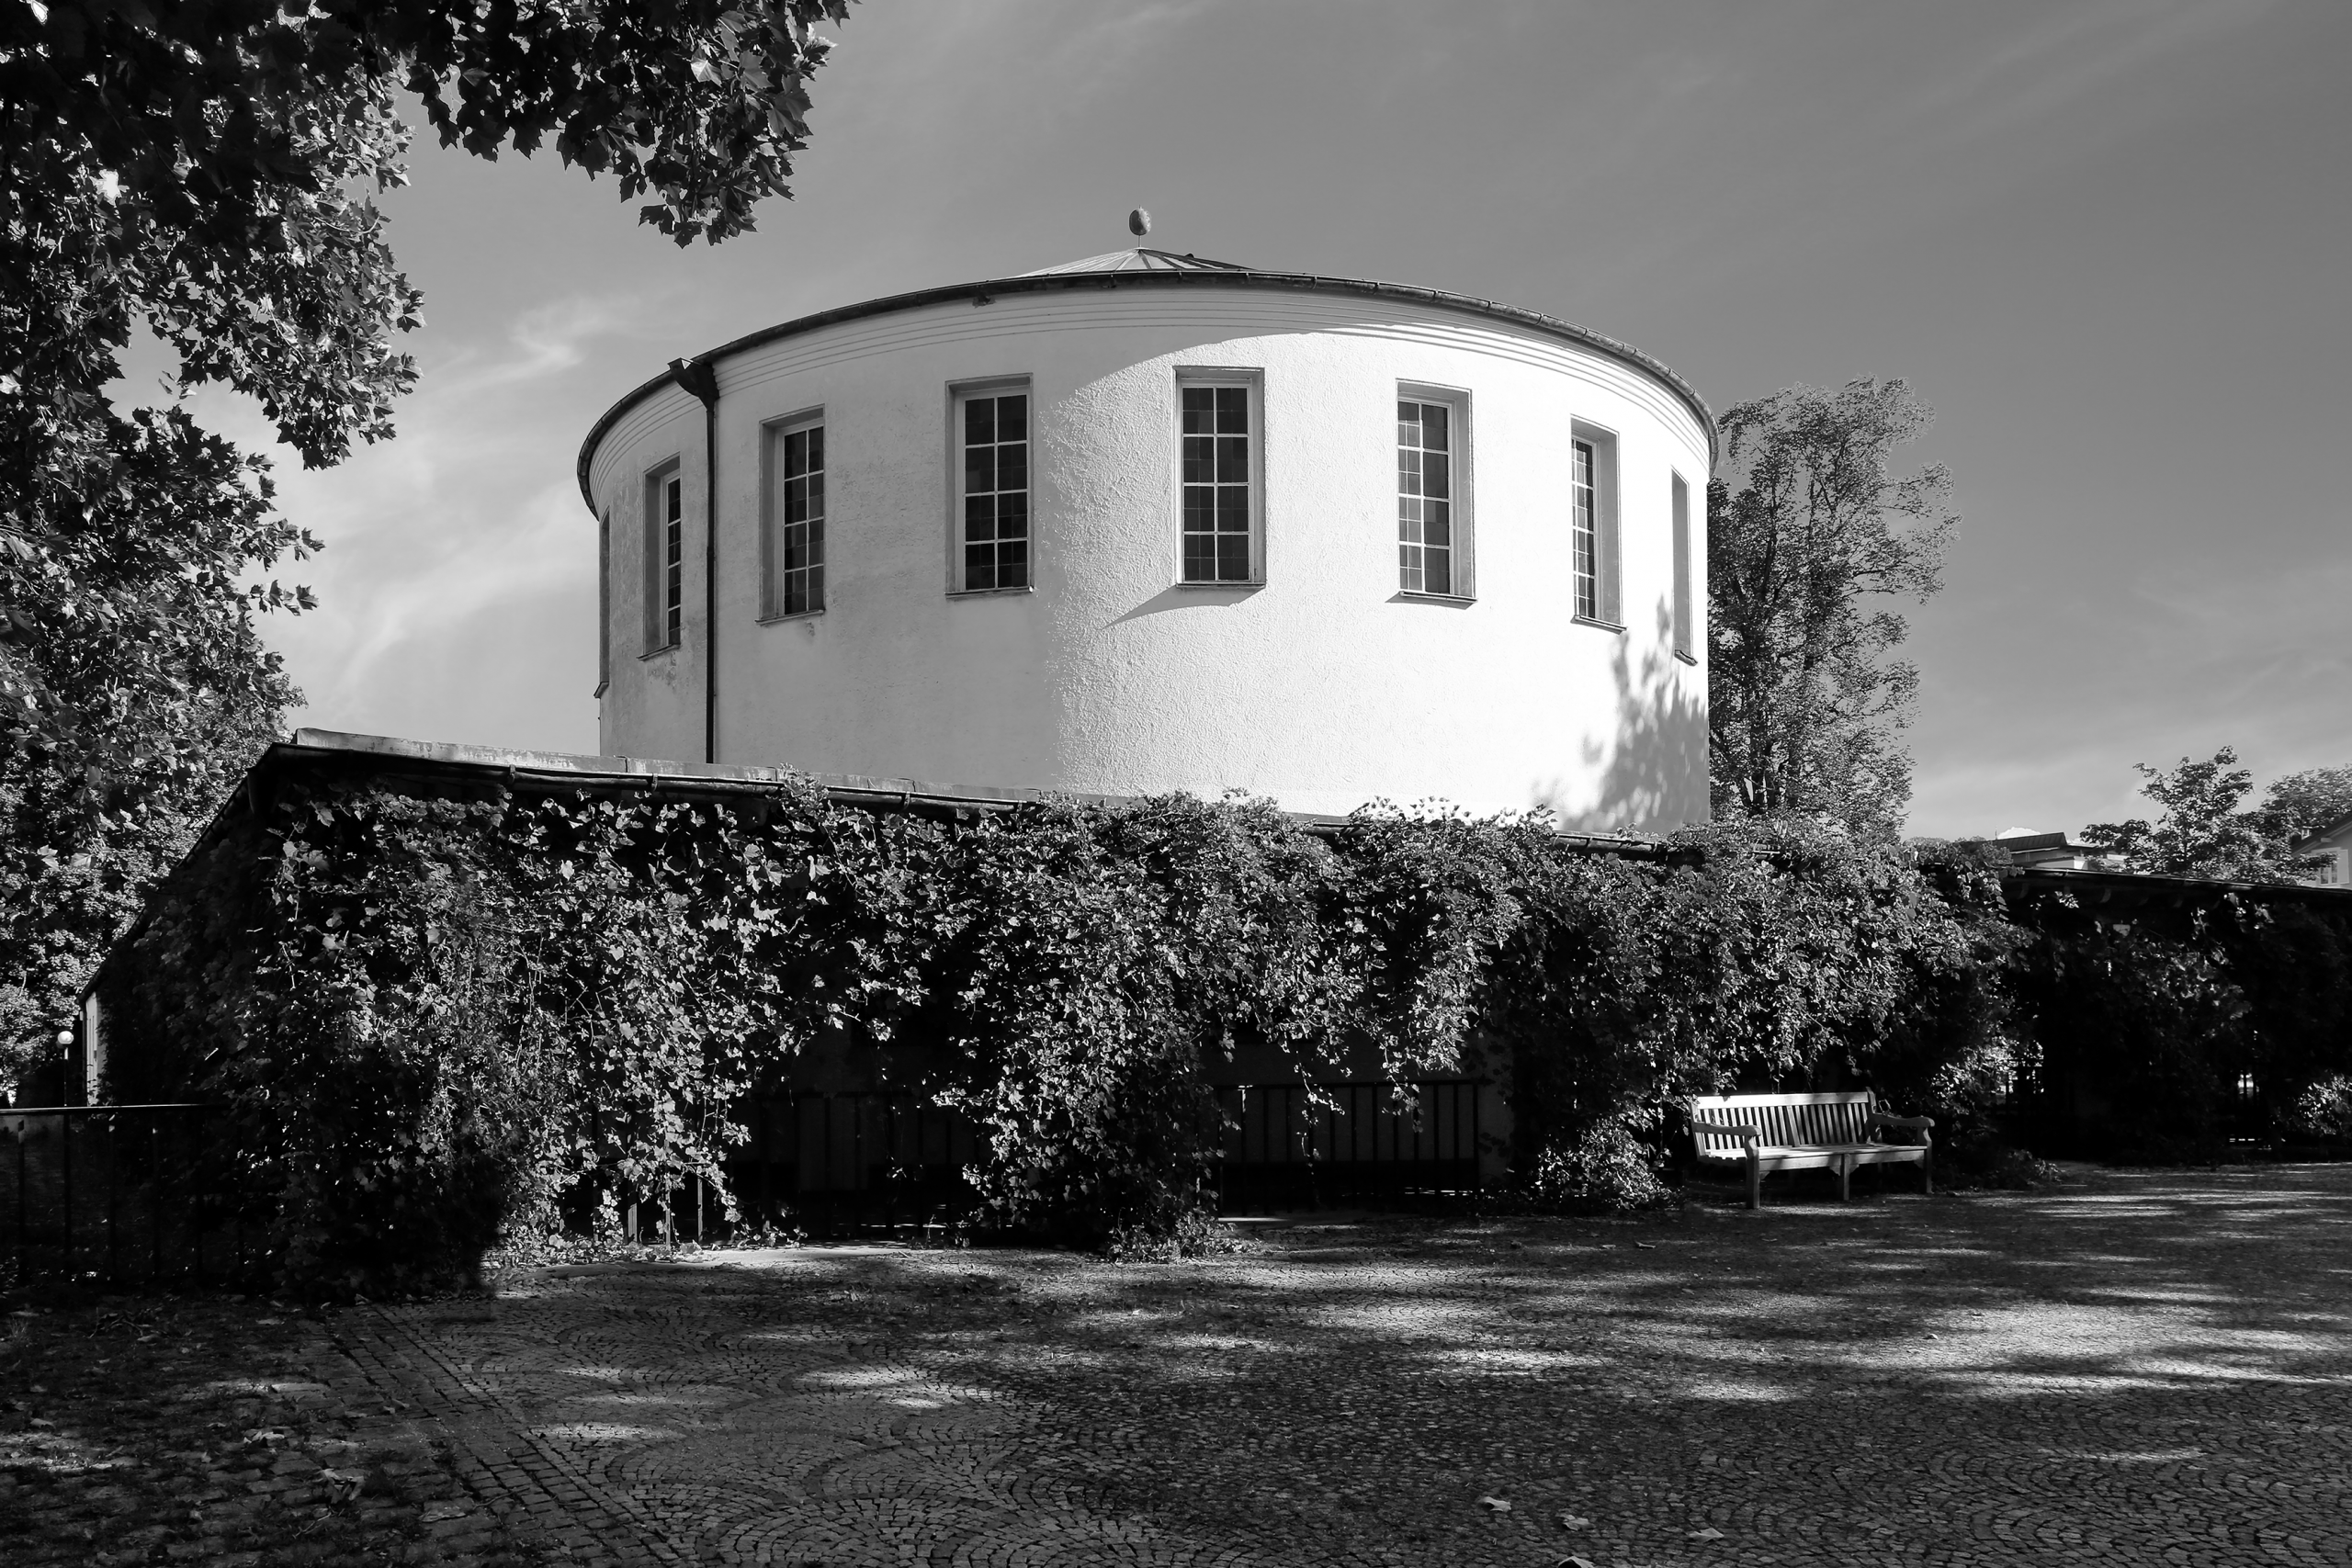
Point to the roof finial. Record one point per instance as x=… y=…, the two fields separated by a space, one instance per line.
x=1139 y=222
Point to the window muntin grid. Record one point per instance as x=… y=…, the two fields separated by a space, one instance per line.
x=996 y=491
x=670 y=499
x=1216 y=437
x=799 y=542
x=604 y=601
x=1585 y=534
x=1425 y=440
x=1684 y=627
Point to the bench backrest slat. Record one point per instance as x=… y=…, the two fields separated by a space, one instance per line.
x=1785 y=1120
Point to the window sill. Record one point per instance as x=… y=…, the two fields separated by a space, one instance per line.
x=1250 y=587
x=1689 y=659
x=1410 y=596
x=990 y=592
x=795 y=615
x=1598 y=624
x=658 y=652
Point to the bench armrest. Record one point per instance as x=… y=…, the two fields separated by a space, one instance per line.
x=1749 y=1135
x=1921 y=1124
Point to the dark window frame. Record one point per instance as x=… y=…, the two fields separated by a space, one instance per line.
x=1596 y=565
x=1686 y=626
x=1001 y=557
x=1220 y=478
x=796 y=506
x=1455 y=576
x=664 y=592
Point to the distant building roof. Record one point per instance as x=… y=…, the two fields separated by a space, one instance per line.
x=2326 y=831
x=2027 y=848
x=2016 y=841
x=1139 y=261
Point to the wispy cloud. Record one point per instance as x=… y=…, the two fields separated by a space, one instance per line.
x=2187 y=662
x=438 y=541
x=2068 y=54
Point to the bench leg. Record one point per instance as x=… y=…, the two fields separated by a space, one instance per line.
x=1755 y=1181
x=1844 y=1179
x=1927 y=1170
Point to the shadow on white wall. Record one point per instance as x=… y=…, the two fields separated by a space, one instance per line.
x=1654 y=768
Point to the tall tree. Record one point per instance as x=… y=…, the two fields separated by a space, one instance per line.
x=203 y=170
x=1807 y=529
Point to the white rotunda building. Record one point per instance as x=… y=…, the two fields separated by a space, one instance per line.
x=1148 y=521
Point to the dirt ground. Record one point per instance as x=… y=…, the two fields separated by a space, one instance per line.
x=2129 y=1368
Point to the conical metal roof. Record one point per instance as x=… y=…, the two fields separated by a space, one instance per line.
x=1139 y=261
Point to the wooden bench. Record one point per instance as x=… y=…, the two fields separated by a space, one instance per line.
x=1805 y=1132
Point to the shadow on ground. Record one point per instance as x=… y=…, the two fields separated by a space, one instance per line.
x=2136 y=1368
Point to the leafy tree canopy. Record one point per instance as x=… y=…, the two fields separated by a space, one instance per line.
x=1807 y=528
x=203 y=170
x=2202 y=832
x=2306 y=803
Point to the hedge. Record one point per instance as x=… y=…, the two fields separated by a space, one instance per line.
x=435 y=1018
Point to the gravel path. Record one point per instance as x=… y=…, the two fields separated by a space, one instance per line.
x=2132 y=1368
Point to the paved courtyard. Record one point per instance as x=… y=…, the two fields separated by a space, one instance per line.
x=2134 y=1367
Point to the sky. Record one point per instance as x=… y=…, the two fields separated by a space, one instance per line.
x=2108 y=240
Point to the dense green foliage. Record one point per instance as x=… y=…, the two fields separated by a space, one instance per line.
x=431 y=1019
x=1762 y=955
x=2203 y=831
x=202 y=174
x=2168 y=1034
x=2305 y=803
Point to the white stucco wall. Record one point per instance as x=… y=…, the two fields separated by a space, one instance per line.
x=1322 y=689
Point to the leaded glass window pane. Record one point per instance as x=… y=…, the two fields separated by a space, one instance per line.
x=1215 y=435
x=996 y=491
x=799 y=545
x=673 y=562
x=1424 y=497
x=1585 y=534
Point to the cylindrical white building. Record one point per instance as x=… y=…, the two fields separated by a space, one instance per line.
x=1148 y=522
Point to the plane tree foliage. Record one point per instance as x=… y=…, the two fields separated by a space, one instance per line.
x=202 y=174
x=1812 y=539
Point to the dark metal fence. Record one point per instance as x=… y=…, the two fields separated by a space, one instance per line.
x=1287 y=1146
x=131 y=1194
x=836 y=1162
x=841 y=1163
x=121 y=1194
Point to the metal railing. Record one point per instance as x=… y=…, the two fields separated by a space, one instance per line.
x=849 y=1161
x=135 y=1195
x=1288 y=1145
x=121 y=1194
x=838 y=1163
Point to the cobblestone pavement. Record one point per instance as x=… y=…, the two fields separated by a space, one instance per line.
x=222 y=1430
x=2134 y=1367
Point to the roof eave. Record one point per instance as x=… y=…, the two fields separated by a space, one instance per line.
x=1040 y=283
